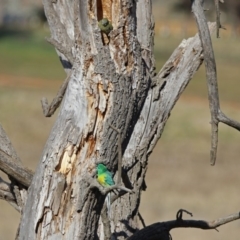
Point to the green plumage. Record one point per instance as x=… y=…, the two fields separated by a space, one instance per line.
x=104 y=177
x=105 y=25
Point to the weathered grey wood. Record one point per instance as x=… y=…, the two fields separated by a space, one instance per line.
x=173 y=78
x=6 y=193
x=211 y=76
x=49 y=109
x=15 y=192
x=15 y=169
x=10 y=163
x=112 y=91
x=110 y=84
x=6 y=146
x=161 y=230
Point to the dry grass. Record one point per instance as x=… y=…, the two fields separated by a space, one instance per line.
x=21 y=117
x=180 y=176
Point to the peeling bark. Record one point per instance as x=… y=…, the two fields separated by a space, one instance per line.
x=108 y=86
x=111 y=92
x=111 y=82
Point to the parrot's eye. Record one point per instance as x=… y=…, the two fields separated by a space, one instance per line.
x=105 y=23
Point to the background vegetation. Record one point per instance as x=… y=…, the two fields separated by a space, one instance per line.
x=179 y=174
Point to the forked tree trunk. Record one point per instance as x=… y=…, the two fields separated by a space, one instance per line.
x=110 y=83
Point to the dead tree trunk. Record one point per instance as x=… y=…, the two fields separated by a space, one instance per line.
x=111 y=82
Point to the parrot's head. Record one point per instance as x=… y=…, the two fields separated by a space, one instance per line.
x=105 y=22
x=105 y=25
x=101 y=168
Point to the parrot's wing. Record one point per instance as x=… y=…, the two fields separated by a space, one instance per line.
x=109 y=179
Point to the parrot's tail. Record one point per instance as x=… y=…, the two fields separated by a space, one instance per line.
x=108 y=202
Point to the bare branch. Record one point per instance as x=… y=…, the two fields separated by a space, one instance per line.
x=48 y=110
x=141 y=219
x=173 y=77
x=7 y=194
x=206 y=225
x=180 y=213
x=15 y=170
x=154 y=231
x=66 y=52
x=77 y=27
x=106 y=190
x=18 y=197
x=10 y=162
x=161 y=229
x=119 y=187
x=211 y=75
x=221 y=221
x=228 y=121
x=59 y=31
x=119 y=154
x=6 y=145
x=217 y=17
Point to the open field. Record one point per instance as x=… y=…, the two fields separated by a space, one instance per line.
x=21 y=117
x=179 y=174
x=27 y=54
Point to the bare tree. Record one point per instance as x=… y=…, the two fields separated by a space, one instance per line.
x=113 y=111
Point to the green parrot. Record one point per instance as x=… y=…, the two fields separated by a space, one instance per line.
x=104 y=177
x=105 y=25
